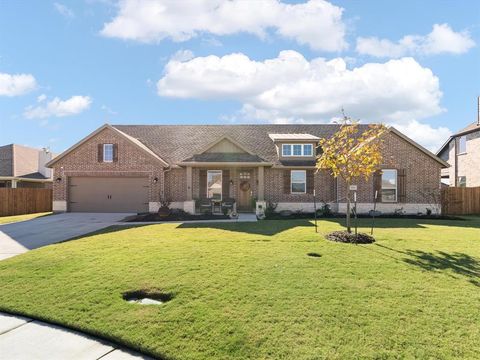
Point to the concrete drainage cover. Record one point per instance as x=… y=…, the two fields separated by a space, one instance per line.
x=145 y=301
x=143 y=297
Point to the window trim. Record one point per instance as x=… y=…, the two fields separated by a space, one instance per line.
x=390 y=187
x=302 y=147
x=459 y=142
x=221 y=183
x=298 y=182
x=104 y=152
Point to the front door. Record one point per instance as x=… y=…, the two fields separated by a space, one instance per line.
x=245 y=190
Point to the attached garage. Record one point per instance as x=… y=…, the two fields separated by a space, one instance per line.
x=108 y=194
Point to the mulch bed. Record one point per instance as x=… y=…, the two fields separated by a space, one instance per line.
x=351 y=238
x=175 y=217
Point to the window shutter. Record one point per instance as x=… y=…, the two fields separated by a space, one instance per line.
x=310 y=181
x=225 y=184
x=203 y=184
x=100 y=153
x=402 y=185
x=115 y=152
x=286 y=182
x=377 y=185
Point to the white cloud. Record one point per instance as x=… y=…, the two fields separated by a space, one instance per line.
x=59 y=108
x=17 y=84
x=426 y=135
x=290 y=88
x=41 y=98
x=316 y=23
x=442 y=39
x=64 y=10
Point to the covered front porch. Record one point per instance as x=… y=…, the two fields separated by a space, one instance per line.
x=224 y=188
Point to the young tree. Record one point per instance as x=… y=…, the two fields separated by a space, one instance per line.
x=350 y=155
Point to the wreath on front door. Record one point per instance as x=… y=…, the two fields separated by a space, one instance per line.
x=244 y=186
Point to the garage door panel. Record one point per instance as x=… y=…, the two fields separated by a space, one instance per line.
x=108 y=194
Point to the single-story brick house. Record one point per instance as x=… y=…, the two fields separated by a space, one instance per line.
x=132 y=168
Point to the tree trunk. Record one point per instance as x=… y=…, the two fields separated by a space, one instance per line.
x=349 y=228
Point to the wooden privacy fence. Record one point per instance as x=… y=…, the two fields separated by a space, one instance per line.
x=25 y=201
x=461 y=200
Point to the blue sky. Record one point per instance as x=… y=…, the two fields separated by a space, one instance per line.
x=67 y=67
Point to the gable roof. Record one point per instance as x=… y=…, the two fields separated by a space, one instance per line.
x=133 y=140
x=178 y=143
x=466 y=130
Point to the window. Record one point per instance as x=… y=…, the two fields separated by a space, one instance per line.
x=389 y=185
x=214 y=184
x=462 y=144
x=307 y=150
x=287 y=150
x=298 y=181
x=297 y=149
x=462 y=181
x=107 y=152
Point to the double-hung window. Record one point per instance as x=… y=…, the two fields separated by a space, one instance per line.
x=389 y=185
x=297 y=150
x=107 y=152
x=462 y=181
x=298 y=181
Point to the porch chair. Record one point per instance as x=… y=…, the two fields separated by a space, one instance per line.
x=205 y=205
x=228 y=203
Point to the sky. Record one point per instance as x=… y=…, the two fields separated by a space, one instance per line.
x=68 y=67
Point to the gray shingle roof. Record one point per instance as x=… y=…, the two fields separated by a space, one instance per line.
x=176 y=143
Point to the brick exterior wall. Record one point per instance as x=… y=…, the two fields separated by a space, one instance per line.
x=324 y=188
x=422 y=174
x=422 y=177
x=83 y=161
x=176 y=185
x=468 y=164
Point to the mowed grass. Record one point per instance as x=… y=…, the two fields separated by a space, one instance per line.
x=16 y=218
x=249 y=291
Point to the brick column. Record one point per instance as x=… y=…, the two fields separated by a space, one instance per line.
x=189 y=184
x=261 y=184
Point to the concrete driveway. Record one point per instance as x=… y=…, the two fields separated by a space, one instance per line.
x=17 y=238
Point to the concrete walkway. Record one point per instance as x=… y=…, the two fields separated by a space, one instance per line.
x=26 y=339
x=17 y=238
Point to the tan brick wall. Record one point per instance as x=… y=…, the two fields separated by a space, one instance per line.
x=82 y=161
x=468 y=163
x=176 y=185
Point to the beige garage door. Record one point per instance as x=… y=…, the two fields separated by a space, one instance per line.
x=108 y=194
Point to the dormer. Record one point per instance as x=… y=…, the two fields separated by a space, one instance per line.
x=294 y=148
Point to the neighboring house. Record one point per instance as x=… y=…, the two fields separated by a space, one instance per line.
x=462 y=152
x=22 y=166
x=123 y=168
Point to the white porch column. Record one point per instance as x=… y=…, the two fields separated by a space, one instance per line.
x=261 y=183
x=189 y=184
x=14 y=184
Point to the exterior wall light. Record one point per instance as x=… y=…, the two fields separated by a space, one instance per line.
x=58 y=179
x=155 y=180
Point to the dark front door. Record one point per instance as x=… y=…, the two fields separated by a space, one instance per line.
x=245 y=190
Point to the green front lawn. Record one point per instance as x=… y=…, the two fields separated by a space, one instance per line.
x=16 y=218
x=249 y=291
